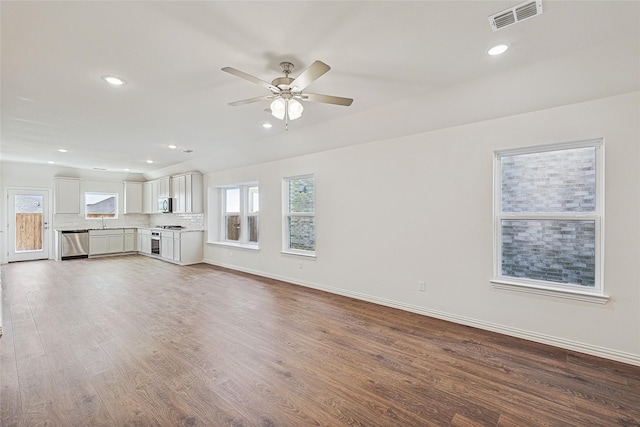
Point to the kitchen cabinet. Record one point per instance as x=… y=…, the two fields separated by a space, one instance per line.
x=133 y=197
x=180 y=247
x=166 y=245
x=190 y=247
x=144 y=235
x=164 y=187
x=187 y=192
x=106 y=241
x=147 y=206
x=130 y=240
x=67 y=196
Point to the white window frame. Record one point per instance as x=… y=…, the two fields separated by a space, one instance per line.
x=244 y=214
x=286 y=214
x=575 y=292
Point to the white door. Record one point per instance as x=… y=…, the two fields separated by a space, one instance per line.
x=28 y=225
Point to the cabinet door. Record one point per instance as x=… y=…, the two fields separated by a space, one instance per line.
x=164 y=187
x=116 y=243
x=67 y=196
x=132 y=197
x=179 y=190
x=98 y=245
x=176 y=248
x=146 y=197
x=166 y=248
x=129 y=242
x=154 y=196
x=145 y=244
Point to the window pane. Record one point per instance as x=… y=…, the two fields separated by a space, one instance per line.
x=28 y=209
x=101 y=205
x=551 y=181
x=301 y=195
x=561 y=251
x=302 y=233
x=232 y=201
x=253 y=229
x=254 y=200
x=233 y=227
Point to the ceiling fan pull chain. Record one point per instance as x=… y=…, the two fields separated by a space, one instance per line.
x=286 y=115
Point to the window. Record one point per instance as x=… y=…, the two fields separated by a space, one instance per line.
x=101 y=205
x=299 y=235
x=240 y=209
x=548 y=217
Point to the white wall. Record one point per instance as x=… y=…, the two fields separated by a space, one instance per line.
x=394 y=212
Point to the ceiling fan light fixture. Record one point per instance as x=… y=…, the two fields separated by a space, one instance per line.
x=295 y=109
x=281 y=108
x=278 y=108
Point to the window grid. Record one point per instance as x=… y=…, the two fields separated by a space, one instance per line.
x=299 y=235
x=549 y=243
x=240 y=213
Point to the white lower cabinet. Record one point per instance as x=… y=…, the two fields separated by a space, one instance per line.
x=130 y=241
x=103 y=242
x=180 y=247
x=190 y=243
x=144 y=235
x=166 y=245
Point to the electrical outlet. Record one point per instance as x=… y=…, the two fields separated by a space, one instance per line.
x=421 y=286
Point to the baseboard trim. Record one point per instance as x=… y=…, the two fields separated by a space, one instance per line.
x=605 y=353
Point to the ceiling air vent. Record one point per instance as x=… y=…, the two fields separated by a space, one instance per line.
x=515 y=14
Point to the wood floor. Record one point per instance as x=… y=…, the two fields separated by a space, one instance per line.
x=133 y=341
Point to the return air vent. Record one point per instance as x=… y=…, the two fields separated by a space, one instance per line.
x=515 y=14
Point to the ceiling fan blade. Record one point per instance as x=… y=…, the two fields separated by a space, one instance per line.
x=252 y=100
x=310 y=75
x=327 y=99
x=250 y=78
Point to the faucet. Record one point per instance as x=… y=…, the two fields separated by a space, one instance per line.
x=103 y=224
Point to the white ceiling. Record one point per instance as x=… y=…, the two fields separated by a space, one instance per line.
x=410 y=67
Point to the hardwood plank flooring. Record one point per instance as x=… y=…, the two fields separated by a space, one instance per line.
x=131 y=340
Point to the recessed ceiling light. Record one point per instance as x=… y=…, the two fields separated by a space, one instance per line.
x=267 y=125
x=498 y=50
x=115 y=81
x=149 y=161
x=127 y=169
x=62 y=150
x=173 y=147
x=51 y=162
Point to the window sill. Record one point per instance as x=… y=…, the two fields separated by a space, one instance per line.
x=236 y=245
x=542 y=290
x=304 y=254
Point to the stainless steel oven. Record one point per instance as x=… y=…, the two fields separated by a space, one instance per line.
x=155 y=242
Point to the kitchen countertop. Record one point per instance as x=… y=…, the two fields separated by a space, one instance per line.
x=183 y=230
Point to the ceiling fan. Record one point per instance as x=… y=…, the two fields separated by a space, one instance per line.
x=286 y=92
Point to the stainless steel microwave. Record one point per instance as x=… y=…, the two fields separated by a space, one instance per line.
x=164 y=204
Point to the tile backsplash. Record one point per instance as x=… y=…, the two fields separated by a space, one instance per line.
x=188 y=221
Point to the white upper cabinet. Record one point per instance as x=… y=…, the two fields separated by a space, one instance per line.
x=67 y=196
x=187 y=192
x=164 y=188
x=133 y=197
x=150 y=197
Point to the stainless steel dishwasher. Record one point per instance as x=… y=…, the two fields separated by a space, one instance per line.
x=75 y=244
